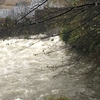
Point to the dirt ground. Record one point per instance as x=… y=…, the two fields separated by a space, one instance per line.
x=8 y=4
x=13 y=2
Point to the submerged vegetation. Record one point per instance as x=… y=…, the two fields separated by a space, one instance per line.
x=59 y=98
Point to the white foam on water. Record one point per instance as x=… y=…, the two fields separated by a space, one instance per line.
x=27 y=68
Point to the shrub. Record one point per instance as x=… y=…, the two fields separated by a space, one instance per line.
x=64 y=35
x=8 y=22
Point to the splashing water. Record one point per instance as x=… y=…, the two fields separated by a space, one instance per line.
x=28 y=67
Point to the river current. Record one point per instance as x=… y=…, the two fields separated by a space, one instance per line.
x=31 y=69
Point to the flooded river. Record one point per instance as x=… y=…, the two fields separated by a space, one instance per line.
x=31 y=69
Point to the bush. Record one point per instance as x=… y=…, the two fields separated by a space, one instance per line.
x=8 y=22
x=64 y=35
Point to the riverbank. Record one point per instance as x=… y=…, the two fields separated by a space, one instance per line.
x=37 y=64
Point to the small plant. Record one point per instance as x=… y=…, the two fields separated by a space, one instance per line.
x=8 y=21
x=64 y=35
x=59 y=98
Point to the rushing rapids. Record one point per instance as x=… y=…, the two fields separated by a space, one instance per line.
x=33 y=68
